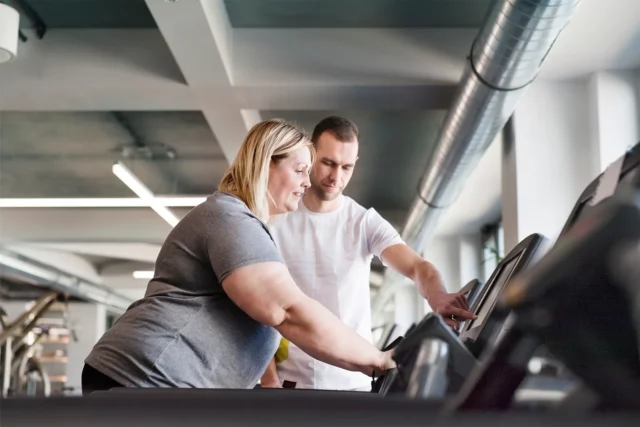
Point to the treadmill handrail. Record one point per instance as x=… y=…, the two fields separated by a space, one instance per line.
x=631 y=161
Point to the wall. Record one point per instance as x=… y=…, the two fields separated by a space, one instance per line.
x=457 y=258
x=614 y=113
x=563 y=134
x=547 y=159
x=89 y=323
x=444 y=253
x=407 y=308
x=13 y=308
x=470 y=258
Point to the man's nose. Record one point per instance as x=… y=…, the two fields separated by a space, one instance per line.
x=335 y=175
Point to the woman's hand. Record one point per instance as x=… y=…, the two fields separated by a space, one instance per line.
x=386 y=361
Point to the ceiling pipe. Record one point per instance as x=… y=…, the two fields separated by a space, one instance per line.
x=505 y=58
x=22 y=268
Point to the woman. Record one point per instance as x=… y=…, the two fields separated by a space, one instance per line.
x=221 y=292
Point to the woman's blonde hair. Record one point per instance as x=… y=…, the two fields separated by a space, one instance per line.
x=248 y=176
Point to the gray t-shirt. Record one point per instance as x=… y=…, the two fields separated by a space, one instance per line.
x=186 y=332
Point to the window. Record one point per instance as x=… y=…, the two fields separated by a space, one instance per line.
x=111 y=319
x=492 y=248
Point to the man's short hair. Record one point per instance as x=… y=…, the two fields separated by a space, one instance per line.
x=344 y=130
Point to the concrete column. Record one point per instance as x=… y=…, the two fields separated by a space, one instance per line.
x=547 y=159
x=88 y=321
x=470 y=258
x=613 y=115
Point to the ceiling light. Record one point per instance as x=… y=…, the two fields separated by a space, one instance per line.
x=125 y=202
x=131 y=181
x=142 y=274
x=182 y=202
x=9 y=27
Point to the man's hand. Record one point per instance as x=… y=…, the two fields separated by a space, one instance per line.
x=408 y=263
x=452 y=307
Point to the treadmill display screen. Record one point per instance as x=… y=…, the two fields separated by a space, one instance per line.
x=491 y=298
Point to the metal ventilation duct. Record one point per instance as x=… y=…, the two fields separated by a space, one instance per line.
x=505 y=58
x=20 y=267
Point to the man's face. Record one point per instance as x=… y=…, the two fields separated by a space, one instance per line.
x=333 y=167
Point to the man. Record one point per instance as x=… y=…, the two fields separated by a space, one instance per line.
x=328 y=245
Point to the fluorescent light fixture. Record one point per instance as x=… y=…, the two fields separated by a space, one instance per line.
x=181 y=202
x=141 y=274
x=127 y=202
x=131 y=181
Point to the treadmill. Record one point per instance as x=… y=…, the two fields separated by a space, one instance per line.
x=478 y=334
x=463 y=348
x=471 y=290
x=578 y=302
x=495 y=321
x=628 y=172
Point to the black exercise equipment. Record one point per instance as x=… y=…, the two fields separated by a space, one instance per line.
x=475 y=335
x=471 y=290
x=460 y=360
x=628 y=172
x=575 y=303
x=478 y=333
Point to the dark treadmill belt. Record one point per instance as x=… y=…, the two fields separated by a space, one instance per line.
x=195 y=408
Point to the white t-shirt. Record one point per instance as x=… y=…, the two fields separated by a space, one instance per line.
x=329 y=257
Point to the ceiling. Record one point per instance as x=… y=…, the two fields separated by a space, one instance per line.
x=356 y=13
x=89 y=13
x=139 y=81
x=70 y=154
x=272 y=13
x=65 y=155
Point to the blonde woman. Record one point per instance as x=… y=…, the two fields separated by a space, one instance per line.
x=221 y=292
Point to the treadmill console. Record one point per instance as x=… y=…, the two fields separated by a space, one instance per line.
x=460 y=362
x=471 y=290
x=474 y=335
x=478 y=333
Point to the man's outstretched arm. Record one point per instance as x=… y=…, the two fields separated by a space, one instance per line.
x=407 y=262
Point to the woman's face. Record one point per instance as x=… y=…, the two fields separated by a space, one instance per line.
x=288 y=180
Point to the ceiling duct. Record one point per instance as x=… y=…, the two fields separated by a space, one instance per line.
x=505 y=58
x=18 y=267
